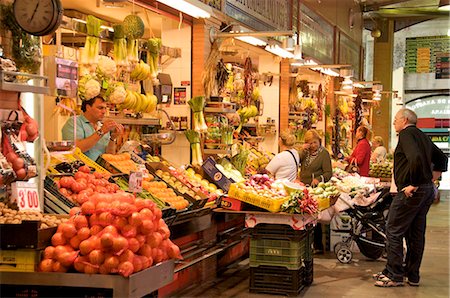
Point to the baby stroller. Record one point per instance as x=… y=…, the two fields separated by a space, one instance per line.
x=367 y=229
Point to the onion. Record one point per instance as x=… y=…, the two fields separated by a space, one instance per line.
x=146 y=250
x=68 y=230
x=95 y=229
x=102 y=269
x=74 y=211
x=102 y=206
x=86 y=246
x=119 y=244
x=96 y=257
x=126 y=269
x=146 y=214
x=137 y=264
x=157 y=255
x=88 y=207
x=173 y=251
x=154 y=240
x=129 y=231
x=135 y=219
x=84 y=233
x=146 y=227
x=127 y=255
x=47 y=265
x=111 y=263
x=67 y=258
x=58 y=239
x=133 y=244
x=105 y=218
x=59 y=250
x=157 y=213
x=111 y=229
x=120 y=222
x=165 y=232
x=79 y=263
x=75 y=242
x=90 y=269
x=80 y=221
x=107 y=240
x=58 y=267
x=146 y=262
x=49 y=252
x=141 y=239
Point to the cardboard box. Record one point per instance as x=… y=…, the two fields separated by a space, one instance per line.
x=25 y=235
x=216 y=176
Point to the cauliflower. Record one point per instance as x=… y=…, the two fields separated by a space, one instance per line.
x=118 y=95
x=88 y=87
x=106 y=67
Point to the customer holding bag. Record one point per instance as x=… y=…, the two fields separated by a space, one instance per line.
x=361 y=154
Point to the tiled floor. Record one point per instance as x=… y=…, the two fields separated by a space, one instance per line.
x=333 y=279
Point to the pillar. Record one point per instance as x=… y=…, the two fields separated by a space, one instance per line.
x=285 y=69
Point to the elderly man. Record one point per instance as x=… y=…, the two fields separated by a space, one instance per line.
x=417 y=163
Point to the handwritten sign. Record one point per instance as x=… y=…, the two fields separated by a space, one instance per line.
x=27 y=196
x=135 y=182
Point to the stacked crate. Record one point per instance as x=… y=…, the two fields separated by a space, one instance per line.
x=281 y=259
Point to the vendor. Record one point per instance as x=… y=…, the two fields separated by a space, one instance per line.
x=361 y=154
x=285 y=164
x=94 y=136
x=316 y=168
x=379 y=151
x=315 y=160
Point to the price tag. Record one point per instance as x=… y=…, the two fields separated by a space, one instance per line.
x=135 y=182
x=26 y=195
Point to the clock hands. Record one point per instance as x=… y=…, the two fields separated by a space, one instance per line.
x=34 y=12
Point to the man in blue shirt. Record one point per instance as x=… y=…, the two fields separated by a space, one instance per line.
x=93 y=135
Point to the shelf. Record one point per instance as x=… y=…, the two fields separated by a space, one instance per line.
x=134 y=121
x=296 y=117
x=216 y=151
x=23 y=87
x=136 y=285
x=249 y=125
x=219 y=110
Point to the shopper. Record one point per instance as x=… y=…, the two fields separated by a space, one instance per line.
x=379 y=151
x=315 y=168
x=417 y=162
x=93 y=135
x=361 y=154
x=285 y=164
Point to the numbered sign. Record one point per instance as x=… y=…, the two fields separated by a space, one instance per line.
x=135 y=182
x=26 y=195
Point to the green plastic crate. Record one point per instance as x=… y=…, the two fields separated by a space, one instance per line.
x=275 y=252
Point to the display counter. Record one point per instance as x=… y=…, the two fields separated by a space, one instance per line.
x=137 y=285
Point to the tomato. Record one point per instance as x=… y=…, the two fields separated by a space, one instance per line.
x=80 y=175
x=98 y=175
x=84 y=169
x=66 y=182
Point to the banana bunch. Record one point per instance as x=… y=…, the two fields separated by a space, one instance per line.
x=141 y=72
x=68 y=102
x=138 y=102
x=308 y=103
x=248 y=112
x=343 y=105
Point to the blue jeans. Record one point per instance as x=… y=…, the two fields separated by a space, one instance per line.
x=407 y=219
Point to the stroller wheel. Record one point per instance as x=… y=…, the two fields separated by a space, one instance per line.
x=343 y=253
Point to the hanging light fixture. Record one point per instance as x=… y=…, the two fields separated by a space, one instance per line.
x=376 y=89
x=277 y=50
x=347 y=84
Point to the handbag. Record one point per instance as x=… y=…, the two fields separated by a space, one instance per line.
x=352 y=167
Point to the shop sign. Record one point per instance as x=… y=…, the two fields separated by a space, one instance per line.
x=26 y=196
x=317 y=36
x=261 y=15
x=435 y=107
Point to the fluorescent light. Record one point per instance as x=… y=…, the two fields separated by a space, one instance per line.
x=110 y=29
x=197 y=10
x=79 y=20
x=298 y=52
x=448 y=32
x=276 y=50
x=298 y=62
x=252 y=40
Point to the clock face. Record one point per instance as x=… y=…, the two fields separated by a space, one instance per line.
x=37 y=17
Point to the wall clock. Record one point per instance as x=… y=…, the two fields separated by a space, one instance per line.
x=38 y=17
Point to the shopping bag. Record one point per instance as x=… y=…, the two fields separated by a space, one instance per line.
x=352 y=167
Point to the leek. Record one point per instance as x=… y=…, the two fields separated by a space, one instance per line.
x=92 y=46
x=120 y=46
x=154 y=47
x=197 y=104
x=194 y=139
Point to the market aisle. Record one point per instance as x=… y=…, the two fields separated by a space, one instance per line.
x=333 y=279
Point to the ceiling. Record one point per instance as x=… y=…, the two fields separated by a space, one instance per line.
x=404 y=12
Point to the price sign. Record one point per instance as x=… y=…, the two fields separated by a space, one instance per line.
x=135 y=182
x=26 y=195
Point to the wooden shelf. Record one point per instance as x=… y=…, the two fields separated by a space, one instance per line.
x=218 y=110
x=216 y=151
x=135 y=121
